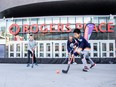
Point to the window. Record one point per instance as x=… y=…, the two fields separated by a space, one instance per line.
x=18 y=21
x=41 y=21
x=63 y=20
x=64 y=36
x=48 y=36
x=48 y=20
x=95 y=20
x=56 y=36
x=87 y=20
x=110 y=46
x=103 y=46
x=103 y=20
x=79 y=20
x=34 y=20
x=26 y=21
x=71 y=20
x=56 y=20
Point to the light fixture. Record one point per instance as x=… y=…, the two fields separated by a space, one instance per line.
x=12 y=19
x=111 y=19
x=111 y=16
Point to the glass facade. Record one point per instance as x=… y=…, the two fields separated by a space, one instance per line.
x=72 y=20
x=100 y=32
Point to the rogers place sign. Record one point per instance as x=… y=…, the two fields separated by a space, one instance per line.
x=35 y=28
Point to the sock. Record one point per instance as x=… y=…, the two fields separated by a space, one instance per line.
x=84 y=62
x=90 y=60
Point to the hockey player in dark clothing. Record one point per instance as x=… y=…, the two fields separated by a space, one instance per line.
x=82 y=49
x=70 y=44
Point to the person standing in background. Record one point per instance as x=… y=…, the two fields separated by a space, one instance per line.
x=31 y=49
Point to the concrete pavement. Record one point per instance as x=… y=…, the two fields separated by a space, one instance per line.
x=44 y=75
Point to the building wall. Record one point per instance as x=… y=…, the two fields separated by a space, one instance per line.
x=97 y=36
x=30 y=8
x=64 y=20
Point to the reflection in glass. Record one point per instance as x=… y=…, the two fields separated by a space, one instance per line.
x=41 y=21
x=11 y=54
x=2 y=31
x=95 y=20
x=11 y=47
x=87 y=19
x=71 y=20
x=41 y=55
x=25 y=47
x=48 y=36
x=48 y=46
x=17 y=54
x=79 y=19
x=18 y=21
x=56 y=36
x=104 y=54
x=56 y=54
x=34 y=28
x=33 y=20
x=64 y=20
x=64 y=36
x=63 y=54
x=47 y=54
x=41 y=47
x=95 y=54
x=110 y=46
x=95 y=47
x=111 y=54
x=103 y=46
x=48 y=20
x=63 y=47
x=17 y=47
x=56 y=46
x=26 y=21
x=25 y=54
x=103 y=20
x=56 y=20
x=40 y=36
x=72 y=26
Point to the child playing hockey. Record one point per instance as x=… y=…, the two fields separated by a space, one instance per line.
x=70 y=44
x=82 y=49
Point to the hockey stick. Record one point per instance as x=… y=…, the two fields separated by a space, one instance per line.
x=66 y=71
x=32 y=59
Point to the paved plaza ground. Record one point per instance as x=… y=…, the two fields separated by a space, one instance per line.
x=44 y=75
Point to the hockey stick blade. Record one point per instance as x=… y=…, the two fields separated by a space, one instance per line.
x=64 y=71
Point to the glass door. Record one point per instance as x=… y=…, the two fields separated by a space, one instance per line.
x=15 y=49
x=107 y=48
x=94 y=53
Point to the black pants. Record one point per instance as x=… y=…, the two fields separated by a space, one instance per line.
x=30 y=53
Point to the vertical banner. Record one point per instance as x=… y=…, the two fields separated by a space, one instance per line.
x=88 y=30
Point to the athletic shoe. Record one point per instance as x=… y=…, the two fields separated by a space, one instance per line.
x=86 y=69
x=28 y=65
x=74 y=63
x=93 y=65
